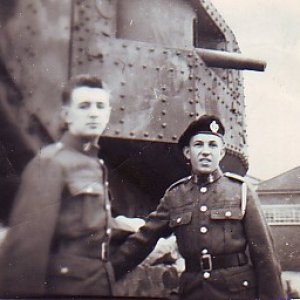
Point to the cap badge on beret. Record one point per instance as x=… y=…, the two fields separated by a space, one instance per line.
x=214 y=127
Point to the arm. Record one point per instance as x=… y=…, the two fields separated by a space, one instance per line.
x=140 y=244
x=25 y=251
x=262 y=252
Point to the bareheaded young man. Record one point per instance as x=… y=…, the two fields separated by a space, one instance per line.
x=59 y=228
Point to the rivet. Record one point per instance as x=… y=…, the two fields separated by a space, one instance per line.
x=131 y=133
x=178 y=53
x=130 y=65
x=174 y=137
x=163 y=88
x=165 y=52
x=157 y=68
x=190 y=89
x=191 y=77
x=121 y=121
x=116 y=63
x=124 y=46
x=122 y=96
x=160 y=136
x=117 y=131
x=192 y=114
x=171 y=70
x=151 y=49
x=144 y=66
x=190 y=65
x=123 y=82
x=190 y=54
x=122 y=108
x=164 y=125
x=191 y=101
x=146 y=134
x=163 y=112
x=137 y=48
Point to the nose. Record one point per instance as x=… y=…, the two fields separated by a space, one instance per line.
x=205 y=150
x=93 y=111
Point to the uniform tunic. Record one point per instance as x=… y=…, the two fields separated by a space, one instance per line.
x=207 y=218
x=60 y=226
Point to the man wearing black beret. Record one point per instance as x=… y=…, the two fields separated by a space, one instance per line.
x=220 y=229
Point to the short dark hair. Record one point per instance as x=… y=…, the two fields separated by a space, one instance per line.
x=80 y=80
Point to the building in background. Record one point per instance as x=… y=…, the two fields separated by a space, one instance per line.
x=280 y=198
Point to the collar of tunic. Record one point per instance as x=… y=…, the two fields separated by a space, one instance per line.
x=80 y=144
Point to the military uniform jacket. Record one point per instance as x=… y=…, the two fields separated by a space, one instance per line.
x=207 y=217
x=59 y=227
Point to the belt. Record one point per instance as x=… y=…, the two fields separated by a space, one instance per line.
x=208 y=262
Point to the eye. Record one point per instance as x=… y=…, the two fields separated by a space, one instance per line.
x=100 y=105
x=213 y=144
x=198 y=144
x=84 y=105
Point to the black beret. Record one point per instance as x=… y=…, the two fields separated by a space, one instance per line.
x=205 y=124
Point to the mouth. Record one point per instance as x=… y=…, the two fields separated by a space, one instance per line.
x=205 y=160
x=93 y=124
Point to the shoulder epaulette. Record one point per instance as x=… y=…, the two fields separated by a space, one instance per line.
x=234 y=176
x=178 y=182
x=51 y=150
x=243 y=189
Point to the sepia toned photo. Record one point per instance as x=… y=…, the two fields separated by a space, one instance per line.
x=149 y=149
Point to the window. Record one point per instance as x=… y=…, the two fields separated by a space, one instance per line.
x=282 y=214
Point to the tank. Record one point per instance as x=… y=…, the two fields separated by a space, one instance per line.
x=166 y=63
x=162 y=76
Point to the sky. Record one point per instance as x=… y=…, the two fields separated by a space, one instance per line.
x=269 y=30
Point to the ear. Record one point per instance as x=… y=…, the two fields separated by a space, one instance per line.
x=64 y=114
x=186 y=152
x=223 y=151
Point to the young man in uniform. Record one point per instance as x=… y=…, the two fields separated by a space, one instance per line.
x=220 y=229
x=60 y=225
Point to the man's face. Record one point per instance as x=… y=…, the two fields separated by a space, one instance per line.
x=205 y=152
x=88 y=112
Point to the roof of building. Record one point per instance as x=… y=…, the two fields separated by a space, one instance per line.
x=288 y=181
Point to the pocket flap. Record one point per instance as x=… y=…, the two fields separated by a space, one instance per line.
x=233 y=213
x=81 y=187
x=180 y=219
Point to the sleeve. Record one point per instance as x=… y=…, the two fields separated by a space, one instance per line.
x=25 y=251
x=262 y=252
x=139 y=245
